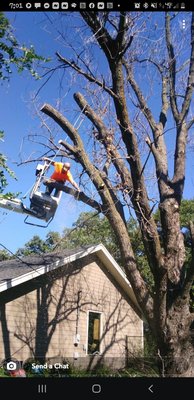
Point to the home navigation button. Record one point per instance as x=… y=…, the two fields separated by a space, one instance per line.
x=96 y=388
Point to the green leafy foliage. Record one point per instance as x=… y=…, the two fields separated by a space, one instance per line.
x=4 y=168
x=14 y=54
x=90 y=229
x=4 y=255
x=38 y=246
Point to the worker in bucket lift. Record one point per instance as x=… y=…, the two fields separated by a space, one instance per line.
x=61 y=174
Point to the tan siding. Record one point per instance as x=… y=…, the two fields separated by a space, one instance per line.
x=98 y=293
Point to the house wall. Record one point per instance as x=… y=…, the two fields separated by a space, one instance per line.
x=44 y=321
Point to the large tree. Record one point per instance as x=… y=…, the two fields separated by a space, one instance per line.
x=136 y=95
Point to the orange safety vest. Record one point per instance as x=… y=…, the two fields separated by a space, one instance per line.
x=58 y=175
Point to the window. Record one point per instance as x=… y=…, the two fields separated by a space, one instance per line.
x=93 y=332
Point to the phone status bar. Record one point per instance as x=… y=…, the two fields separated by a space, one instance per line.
x=93 y=6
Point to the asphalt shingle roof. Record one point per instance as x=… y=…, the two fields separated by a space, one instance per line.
x=13 y=268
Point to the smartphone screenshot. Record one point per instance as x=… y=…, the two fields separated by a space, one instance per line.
x=96 y=198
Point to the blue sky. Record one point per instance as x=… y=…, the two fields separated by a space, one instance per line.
x=19 y=120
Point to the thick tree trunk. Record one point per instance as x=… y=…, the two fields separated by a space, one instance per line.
x=173 y=239
x=177 y=345
x=178 y=363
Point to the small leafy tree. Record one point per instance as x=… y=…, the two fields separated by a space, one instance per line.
x=38 y=246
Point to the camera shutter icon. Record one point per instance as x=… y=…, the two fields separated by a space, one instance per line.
x=11 y=366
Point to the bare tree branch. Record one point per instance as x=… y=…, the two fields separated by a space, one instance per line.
x=190 y=81
x=172 y=69
x=106 y=139
x=90 y=78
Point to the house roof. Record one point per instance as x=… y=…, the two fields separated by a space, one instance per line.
x=19 y=270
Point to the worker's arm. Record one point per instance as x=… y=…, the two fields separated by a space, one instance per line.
x=48 y=159
x=71 y=180
x=75 y=185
